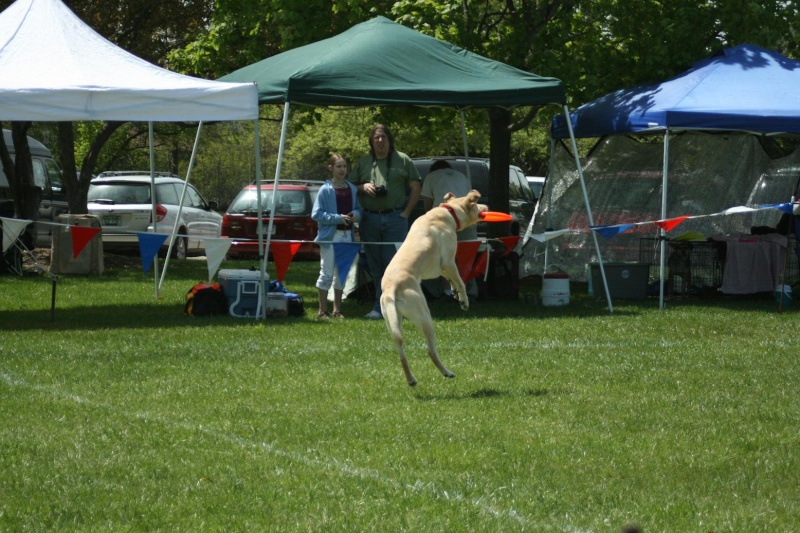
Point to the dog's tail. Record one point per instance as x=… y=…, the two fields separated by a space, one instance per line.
x=392 y=316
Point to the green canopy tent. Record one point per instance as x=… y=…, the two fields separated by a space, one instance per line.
x=382 y=63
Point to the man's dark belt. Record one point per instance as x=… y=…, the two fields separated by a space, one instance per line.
x=384 y=211
x=342 y=227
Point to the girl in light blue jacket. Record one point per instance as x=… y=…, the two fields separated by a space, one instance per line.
x=335 y=210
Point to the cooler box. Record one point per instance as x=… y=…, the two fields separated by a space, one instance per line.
x=89 y=261
x=625 y=280
x=243 y=291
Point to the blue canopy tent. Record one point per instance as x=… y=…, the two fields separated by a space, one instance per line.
x=744 y=88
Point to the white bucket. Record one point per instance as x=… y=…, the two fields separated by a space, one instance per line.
x=555 y=289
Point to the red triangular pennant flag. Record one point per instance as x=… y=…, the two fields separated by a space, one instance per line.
x=479 y=268
x=81 y=235
x=282 y=254
x=509 y=242
x=670 y=223
x=465 y=257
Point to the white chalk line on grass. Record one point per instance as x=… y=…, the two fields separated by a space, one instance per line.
x=330 y=465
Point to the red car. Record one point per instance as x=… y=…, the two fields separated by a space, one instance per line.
x=292 y=220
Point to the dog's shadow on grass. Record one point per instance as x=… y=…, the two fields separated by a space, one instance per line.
x=482 y=394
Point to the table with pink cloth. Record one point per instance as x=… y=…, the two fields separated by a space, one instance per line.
x=753 y=263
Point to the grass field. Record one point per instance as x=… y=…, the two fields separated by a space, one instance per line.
x=122 y=413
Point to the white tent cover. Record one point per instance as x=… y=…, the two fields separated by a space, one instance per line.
x=57 y=68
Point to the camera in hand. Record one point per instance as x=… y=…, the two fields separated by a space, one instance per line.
x=381 y=191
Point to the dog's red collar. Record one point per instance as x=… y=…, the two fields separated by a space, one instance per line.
x=452 y=212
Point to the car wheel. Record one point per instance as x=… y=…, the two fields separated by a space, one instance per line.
x=179 y=250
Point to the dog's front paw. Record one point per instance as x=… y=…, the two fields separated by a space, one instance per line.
x=464 y=304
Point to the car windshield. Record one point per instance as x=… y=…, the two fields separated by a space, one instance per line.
x=119 y=193
x=296 y=202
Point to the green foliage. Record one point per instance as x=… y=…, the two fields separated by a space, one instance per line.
x=226 y=160
x=593 y=46
x=123 y=413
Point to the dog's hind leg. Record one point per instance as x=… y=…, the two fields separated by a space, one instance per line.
x=394 y=324
x=424 y=322
x=430 y=339
x=410 y=379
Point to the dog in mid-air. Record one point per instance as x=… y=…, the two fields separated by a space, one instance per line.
x=429 y=251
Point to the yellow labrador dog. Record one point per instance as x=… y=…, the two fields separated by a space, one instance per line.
x=429 y=251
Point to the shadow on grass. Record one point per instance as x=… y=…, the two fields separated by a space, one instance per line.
x=583 y=307
x=482 y=394
x=128 y=316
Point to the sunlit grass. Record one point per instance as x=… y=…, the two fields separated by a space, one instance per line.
x=123 y=413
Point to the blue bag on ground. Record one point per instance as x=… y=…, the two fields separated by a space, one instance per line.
x=294 y=303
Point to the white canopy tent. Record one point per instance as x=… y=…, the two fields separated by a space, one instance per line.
x=57 y=68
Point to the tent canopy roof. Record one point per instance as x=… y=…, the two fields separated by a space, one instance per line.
x=56 y=68
x=743 y=88
x=380 y=62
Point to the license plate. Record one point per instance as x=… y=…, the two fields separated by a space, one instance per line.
x=111 y=220
x=265 y=231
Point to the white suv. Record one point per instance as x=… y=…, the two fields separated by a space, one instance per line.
x=122 y=202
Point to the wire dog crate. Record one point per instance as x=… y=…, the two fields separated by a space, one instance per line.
x=696 y=267
x=692 y=268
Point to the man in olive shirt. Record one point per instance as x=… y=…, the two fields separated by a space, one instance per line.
x=389 y=187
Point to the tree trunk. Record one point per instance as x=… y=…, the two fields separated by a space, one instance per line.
x=499 y=160
x=19 y=171
x=77 y=186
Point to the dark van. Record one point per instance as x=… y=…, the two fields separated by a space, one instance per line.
x=47 y=176
x=520 y=198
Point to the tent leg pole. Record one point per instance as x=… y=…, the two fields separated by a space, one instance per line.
x=588 y=207
x=180 y=205
x=259 y=207
x=662 y=242
x=261 y=255
x=278 y=165
x=549 y=220
x=464 y=142
x=151 y=142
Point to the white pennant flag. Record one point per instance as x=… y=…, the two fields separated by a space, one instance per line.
x=547 y=235
x=12 y=227
x=738 y=209
x=215 y=254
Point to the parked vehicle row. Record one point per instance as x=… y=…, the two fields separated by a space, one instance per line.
x=291 y=221
x=537 y=184
x=47 y=177
x=123 y=203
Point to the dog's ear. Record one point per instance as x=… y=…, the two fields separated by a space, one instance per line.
x=449 y=196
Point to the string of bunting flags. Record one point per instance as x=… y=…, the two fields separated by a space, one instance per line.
x=668 y=224
x=471 y=264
